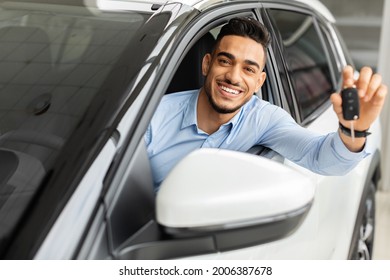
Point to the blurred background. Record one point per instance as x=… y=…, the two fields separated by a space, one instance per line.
x=360 y=22
x=365 y=26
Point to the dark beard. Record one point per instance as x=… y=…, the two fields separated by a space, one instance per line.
x=216 y=107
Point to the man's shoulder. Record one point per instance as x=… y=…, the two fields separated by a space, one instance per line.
x=259 y=108
x=174 y=103
x=257 y=103
x=178 y=97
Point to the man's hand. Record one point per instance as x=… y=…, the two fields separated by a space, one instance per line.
x=372 y=95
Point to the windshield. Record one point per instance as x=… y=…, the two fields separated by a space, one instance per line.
x=53 y=60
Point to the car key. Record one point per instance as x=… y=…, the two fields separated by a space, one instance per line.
x=350 y=106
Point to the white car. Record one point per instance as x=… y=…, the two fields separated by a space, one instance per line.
x=79 y=83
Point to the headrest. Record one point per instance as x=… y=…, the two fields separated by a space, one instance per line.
x=189 y=74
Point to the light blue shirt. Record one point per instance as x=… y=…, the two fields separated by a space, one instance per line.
x=173 y=133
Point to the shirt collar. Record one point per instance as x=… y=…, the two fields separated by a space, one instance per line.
x=190 y=111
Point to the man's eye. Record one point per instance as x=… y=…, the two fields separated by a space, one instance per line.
x=224 y=61
x=250 y=70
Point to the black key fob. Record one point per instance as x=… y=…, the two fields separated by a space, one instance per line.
x=350 y=104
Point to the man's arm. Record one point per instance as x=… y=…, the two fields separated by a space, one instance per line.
x=372 y=95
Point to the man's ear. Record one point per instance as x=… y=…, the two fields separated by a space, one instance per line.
x=260 y=80
x=206 y=64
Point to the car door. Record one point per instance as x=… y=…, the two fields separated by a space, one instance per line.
x=150 y=241
x=300 y=244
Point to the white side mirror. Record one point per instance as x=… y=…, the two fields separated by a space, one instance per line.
x=212 y=190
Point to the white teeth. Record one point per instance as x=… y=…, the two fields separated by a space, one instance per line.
x=232 y=91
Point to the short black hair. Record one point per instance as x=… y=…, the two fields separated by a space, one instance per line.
x=246 y=27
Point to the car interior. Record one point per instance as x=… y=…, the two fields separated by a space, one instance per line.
x=189 y=74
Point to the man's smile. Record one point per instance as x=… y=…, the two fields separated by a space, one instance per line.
x=229 y=90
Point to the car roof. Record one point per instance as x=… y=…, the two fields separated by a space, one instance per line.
x=316 y=5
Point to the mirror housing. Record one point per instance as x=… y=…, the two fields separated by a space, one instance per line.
x=225 y=193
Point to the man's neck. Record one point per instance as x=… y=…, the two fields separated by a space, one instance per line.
x=208 y=119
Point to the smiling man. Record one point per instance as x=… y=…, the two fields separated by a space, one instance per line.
x=226 y=114
x=233 y=73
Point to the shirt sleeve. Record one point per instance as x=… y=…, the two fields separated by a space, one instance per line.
x=322 y=154
x=148 y=135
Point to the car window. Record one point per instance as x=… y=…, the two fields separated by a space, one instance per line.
x=306 y=59
x=54 y=60
x=333 y=58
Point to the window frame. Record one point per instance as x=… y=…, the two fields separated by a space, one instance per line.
x=305 y=120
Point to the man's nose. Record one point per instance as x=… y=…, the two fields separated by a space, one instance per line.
x=234 y=75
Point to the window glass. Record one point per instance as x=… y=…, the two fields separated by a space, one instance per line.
x=305 y=57
x=333 y=56
x=54 y=60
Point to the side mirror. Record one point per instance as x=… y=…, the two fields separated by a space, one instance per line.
x=240 y=199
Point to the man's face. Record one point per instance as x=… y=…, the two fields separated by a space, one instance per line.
x=233 y=73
